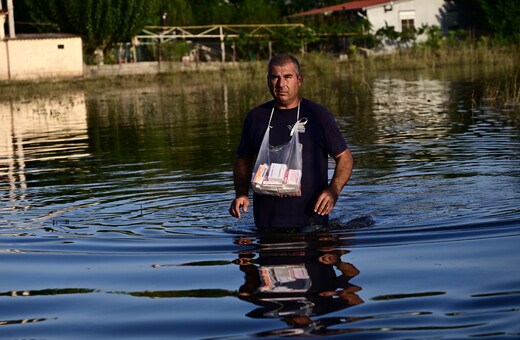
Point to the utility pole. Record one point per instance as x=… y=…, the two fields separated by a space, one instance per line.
x=3 y=14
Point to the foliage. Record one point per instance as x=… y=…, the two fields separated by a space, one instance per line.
x=101 y=23
x=257 y=11
x=104 y=23
x=389 y=36
x=454 y=38
x=387 y=32
x=293 y=40
x=500 y=18
x=208 y=12
x=281 y=39
x=433 y=34
x=178 y=13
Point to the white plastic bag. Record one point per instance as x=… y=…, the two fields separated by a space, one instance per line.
x=278 y=169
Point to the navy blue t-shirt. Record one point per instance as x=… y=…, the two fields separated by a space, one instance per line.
x=320 y=139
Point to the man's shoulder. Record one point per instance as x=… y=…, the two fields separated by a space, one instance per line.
x=267 y=106
x=259 y=114
x=315 y=110
x=313 y=106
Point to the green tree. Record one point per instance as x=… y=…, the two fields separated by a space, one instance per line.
x=209 y=12
x=101 y=23
x=502 y=17
x=178 y=13
x=257 y=11
x=497 y=18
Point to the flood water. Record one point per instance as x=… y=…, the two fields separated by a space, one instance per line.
x=114 y=222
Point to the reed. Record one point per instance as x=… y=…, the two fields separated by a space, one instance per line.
x=423 y=57
x=502 y=94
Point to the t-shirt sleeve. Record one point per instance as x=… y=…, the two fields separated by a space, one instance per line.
x=334 y=141
x=245 y=147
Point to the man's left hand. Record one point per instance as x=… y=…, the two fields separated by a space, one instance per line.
x=328 y=197
x=326 y=201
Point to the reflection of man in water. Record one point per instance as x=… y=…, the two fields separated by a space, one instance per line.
x=297 y=280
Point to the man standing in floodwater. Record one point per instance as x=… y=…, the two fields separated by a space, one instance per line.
x=320 y=138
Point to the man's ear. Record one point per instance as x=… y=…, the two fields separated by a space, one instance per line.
x=300 y=79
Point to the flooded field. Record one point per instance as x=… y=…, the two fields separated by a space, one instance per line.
x=114 y=222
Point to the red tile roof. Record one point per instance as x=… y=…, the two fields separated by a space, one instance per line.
x=347 y=6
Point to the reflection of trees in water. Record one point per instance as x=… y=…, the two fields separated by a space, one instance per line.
x=190 y=125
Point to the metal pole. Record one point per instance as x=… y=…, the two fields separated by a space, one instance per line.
x=222 y=45
x=2 y=21
x=10 y=8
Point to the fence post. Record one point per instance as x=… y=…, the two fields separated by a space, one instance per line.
x=222 y=44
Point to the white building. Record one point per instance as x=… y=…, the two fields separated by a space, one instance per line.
x=401 y=14
x=35 y=56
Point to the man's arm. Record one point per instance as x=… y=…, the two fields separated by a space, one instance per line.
x=328 y=197
x=241 y=177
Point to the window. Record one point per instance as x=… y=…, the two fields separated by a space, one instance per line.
x=407 y=19
x=61 y=47
x=407 y=25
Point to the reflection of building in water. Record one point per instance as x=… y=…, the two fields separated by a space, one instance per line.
x=417 y=107
x=39 y=130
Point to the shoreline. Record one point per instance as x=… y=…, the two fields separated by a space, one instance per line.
x=122 y=75
x=129 y=75
x=154 y=68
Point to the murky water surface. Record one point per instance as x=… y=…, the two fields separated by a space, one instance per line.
x=114 y=223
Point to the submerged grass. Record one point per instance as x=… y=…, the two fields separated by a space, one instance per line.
x=470 y=58
x=502 y=94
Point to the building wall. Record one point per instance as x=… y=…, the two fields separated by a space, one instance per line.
x=4 y=71
x=41 y=58
x=426 y=12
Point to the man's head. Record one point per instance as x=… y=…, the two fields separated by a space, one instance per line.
x=284 y=80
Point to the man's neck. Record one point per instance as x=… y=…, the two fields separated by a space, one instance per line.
x=288 y=106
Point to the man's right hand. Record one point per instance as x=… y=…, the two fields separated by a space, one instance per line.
x=241 y=202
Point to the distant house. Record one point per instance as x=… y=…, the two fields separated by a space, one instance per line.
x=401 y=14
x=35 y=56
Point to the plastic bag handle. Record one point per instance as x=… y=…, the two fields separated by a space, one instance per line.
x=302 y=121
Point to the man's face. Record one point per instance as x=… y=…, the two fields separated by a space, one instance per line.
x=284 y=85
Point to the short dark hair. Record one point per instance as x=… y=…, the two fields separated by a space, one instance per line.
x=283 y=59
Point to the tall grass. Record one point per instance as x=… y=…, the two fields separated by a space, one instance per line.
x=426 y=58
x=502 y=94
x=477 y=57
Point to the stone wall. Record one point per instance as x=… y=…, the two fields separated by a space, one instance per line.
x=152 y=67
